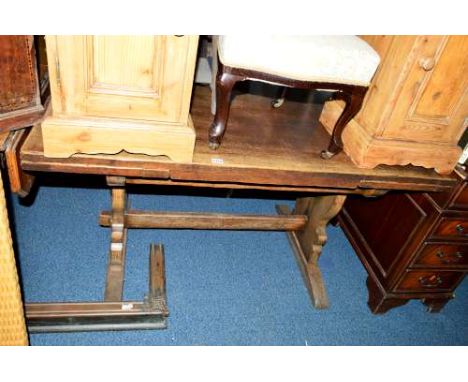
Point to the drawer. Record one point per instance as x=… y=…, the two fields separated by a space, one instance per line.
x=429 y=281
x=452 y=227
x=454 y=256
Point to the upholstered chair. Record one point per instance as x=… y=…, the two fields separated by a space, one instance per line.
x=344 y=65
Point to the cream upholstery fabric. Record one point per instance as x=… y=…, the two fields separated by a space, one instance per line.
x=337 y=59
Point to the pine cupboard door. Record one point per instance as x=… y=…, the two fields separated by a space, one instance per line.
x=131 y=77
x=114 y=93
x=433 y=103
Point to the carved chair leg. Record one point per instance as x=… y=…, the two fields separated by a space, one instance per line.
x=116 y=265
x=214 y=72
x=279 y=100
x=353 y=105
x=224 y=83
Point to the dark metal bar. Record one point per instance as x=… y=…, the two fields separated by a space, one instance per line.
x=88 y=316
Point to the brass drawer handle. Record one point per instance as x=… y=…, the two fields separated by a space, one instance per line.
x=432 y=281
x=452 y=258
x=460 y=229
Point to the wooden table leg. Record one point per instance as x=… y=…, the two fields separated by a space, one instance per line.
x=116 y=265
x=308 y=242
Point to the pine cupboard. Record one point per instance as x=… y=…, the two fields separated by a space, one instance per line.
x=416 y=109
x=114 y=93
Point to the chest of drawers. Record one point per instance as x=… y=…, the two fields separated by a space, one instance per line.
x=413 y=245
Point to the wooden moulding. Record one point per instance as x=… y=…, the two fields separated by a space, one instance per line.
x=368 y=152
x=64 y=137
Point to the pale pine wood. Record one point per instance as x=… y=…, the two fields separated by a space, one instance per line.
x=114 y=93
x=416 y=108
x=64 y=137
x=367 y=151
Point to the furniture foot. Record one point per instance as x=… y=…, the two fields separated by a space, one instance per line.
x=435 y=305
x=378 y=303
x=353 y=102
x=308 y=242
x=224 y=83
x=278 y=102
x=116 y=265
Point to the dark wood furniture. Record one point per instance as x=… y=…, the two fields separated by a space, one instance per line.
x=227 y=77
x=24 y=86
x=413 y=245
x=293 y=165
x=23 y=97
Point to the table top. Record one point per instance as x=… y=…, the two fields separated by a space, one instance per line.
x=263 y=148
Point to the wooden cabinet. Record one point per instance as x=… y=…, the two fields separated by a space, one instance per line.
x=413 y=245
x=114 y=93
x=417 y=106
x=23 y=88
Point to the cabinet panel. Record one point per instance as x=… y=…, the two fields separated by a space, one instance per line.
x=443 y=93
x=134 y=77
x=126 y=64
x=388 y=225
x=432 y=103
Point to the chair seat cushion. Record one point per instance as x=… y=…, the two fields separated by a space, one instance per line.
x=336 y=59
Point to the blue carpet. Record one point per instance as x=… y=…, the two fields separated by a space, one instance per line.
x=224 y=287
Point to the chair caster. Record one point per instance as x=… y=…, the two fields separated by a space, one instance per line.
x=276 y=103
x=213 y=145
x=325 y=154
